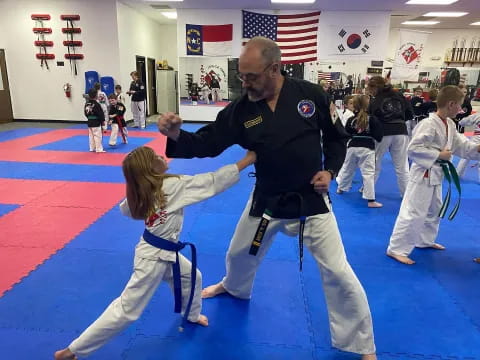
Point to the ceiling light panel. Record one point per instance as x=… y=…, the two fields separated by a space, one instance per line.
x=293 y=1
x=430 y=2
x=170 y=14
x=446 y=14
x=420 y=22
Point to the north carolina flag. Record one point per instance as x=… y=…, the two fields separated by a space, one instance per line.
x=209 y=40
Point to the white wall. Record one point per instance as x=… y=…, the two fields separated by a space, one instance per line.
x=3 y=40
x=38 y=93
x=139 y=35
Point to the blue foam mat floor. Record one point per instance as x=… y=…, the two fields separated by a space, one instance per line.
x=427 y=311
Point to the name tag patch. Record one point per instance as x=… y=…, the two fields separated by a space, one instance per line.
x=253 y=122
x=306 y=108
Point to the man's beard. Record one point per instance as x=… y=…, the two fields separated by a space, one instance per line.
x=254 y=95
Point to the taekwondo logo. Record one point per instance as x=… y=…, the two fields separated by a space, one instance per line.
x=194 y=41
x=306 y=108
x=354 y=41
x=409 y=53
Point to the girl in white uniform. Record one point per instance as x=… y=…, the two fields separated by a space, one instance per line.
x=434 y=139
x=365 y=130
x=144 y=172
x=103 y=101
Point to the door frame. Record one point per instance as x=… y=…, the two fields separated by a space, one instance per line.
x=152 y=85
x=142 y=72
x=6 y=110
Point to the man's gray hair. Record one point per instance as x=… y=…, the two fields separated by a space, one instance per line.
x=270 y=50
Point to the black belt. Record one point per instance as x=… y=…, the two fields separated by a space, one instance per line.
x=163 y=244
x=265 y=220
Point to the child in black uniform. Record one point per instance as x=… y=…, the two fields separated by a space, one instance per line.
x=117 y=109
x=95 y=117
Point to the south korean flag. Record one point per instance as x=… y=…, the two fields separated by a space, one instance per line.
x=354 y=40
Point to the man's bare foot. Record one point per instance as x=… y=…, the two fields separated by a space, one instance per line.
x=402 y=259
x=374 y=204
x=65 y=354
x=202 y=320
x=213 y=290
x=437 y=246
x=477 y=260
x=369 y=357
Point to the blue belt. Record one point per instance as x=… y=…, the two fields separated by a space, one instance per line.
x=163 y=244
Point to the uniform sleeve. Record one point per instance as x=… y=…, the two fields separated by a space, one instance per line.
x=409 y=115
x=334 y=148
x=192 y=189
x=420 y=149
x=141 y=88
x=464 y=148
x=349 y=126
x=376 y=128
x=209 y=141
x=99 y=112
x=124 y=209
x=120 y=109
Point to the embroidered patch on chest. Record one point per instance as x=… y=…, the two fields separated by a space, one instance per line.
x=306 y=108
x=253 y=122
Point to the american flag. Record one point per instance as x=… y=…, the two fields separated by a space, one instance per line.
x=329 y=76
x=295 y=34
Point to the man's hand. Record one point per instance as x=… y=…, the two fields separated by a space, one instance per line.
x=321 y=181
x=169 y=125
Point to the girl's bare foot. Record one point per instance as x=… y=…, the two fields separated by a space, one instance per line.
x=213 y=290
x=437 y=246
x=202 y=320
x=402 y=259
x=65 y=354
x=374 y=204
x=369 y=357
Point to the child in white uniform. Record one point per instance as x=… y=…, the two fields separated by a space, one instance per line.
x=145 y=176
x=365 y=130
x=434 y=140
x=103 y=101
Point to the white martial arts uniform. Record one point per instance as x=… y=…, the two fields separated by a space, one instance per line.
x=397 y=146
x=463 y=163
x=417 y=222
x=151 y=264
x=205 y=90
x=103 y=101
x=361 y=154
x=138 y=111
x=348 y=310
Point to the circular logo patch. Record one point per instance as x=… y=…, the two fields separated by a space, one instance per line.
x=354 y=41
x=306 y=108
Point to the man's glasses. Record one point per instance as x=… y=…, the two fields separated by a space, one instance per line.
x=251 y=77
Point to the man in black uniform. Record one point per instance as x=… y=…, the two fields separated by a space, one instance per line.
x=137 y=92
x=280 y=119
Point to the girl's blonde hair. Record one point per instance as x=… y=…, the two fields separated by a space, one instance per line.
x=360 y=105
x=144 y=184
